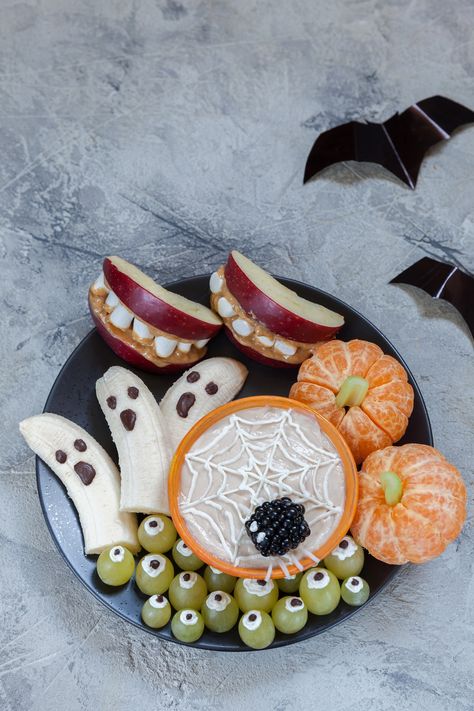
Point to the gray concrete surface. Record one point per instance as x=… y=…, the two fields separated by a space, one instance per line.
x=169 y=131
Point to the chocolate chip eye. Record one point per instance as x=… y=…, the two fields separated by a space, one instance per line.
x=193 y=377
x=211 y=388
x=132 y=392
x=80 y=445
x=61 y=456
x=112 y=402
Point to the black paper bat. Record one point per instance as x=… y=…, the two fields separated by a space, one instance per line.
x=399 y=144
x=442 y=281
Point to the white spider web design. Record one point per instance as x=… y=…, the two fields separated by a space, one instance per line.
x=262 y=460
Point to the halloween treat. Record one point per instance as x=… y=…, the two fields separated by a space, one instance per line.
x=256 y=629
x=220 y=611
x=355 y=591
x=91 y=479
x=138 y=430
x=184 y=557
x=254 y=594
x=346 y=559
x=200 y=390
x=187 y=625
x=361 y=391
x=145 y=324
x=290 y=615
x=115 y=566
x=248 y=454
x=157 y=534
x=156 y=611
x=320 y=591
x=154 y=574
x=264 y=319
x=187 y=589
x=217 y=580
x=412 y=504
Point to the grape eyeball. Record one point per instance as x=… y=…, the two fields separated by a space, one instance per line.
x=290 y=614
x=255 y=594
x=320 y=591
x=187 y=625
x=220 y=611
x=345 y=559
x=184 y=557
x=156 y=611
x=290 y=585
x=256 y=629
x=154 y=574
x=157 y=533
x=216 y=580
x=187 y=589
x=355 y=591
x=115 y=566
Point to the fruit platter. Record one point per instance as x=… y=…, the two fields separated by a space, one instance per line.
x=237 y=462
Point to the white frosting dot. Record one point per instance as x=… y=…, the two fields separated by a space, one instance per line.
x=117 y=554
x=347 y=552
x=155 y=529
x=354 y=583
x=316 y=583
x=254 y=587
x=188 y=617
x=216 y=571
x=187 y=580
x=218 y=601
x=252 y=620
x=182 y=548
x=294 y=608
x=148 y=568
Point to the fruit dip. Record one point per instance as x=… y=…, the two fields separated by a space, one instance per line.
x=255 y=455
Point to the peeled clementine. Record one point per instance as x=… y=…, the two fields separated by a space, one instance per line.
x=412 y=504
x=358 y=388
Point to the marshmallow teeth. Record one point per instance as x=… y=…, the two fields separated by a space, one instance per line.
x=91 y=478
x=138 y=430
x=202 y=388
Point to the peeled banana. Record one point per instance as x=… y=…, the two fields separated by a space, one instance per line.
x=91 y=478
x=138 y=430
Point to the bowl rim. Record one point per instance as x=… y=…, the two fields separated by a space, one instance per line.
x=254 y=401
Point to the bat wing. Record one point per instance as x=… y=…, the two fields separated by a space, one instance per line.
x=442 y=281
x=362 y=142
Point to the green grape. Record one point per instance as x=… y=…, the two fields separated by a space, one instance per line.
x=256 y=629
x=320 y=591
x=156 y=611
x=220 y=612
x=290 y=614
x=346 y=559
x=184 y=557
x=115 y=566
x=216 y=580
x=355 y=591
x=187 y=625
x=255 y=594
x=157 y=533
x=290 y=585
x=187 y=589
x=154 y=574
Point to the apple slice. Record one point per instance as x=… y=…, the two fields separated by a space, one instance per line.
x=157 y=306
x=256 y=355
x=277 y=307
x=131 y=354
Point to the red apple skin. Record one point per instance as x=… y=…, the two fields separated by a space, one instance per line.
x=154 y=311
x=255 y=355
x=274 y=316
x=130 y=355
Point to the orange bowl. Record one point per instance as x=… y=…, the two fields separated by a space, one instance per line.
x=350 y=477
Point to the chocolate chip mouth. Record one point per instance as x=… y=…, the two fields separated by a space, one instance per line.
x=128 y=418
x=85 y=472
x=185 y=403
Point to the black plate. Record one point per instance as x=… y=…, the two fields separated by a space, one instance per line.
x=73 y=396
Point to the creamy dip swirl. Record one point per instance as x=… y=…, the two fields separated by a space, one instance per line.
x=257 y=455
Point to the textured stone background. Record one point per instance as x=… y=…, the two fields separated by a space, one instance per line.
x=168 y=132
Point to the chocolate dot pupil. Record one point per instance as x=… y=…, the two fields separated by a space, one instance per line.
x=296 y=602
x=318 y=576
x=261 y=582
x=189 y=616
x=153 y=524
x=159 y=598
x=117 y=551
x=355 y=582
x=155 y=564
x=343 y=544
x=218 y=597
x=252 y=617
x=186 y=577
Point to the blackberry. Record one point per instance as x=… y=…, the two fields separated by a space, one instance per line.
x=277 y=526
